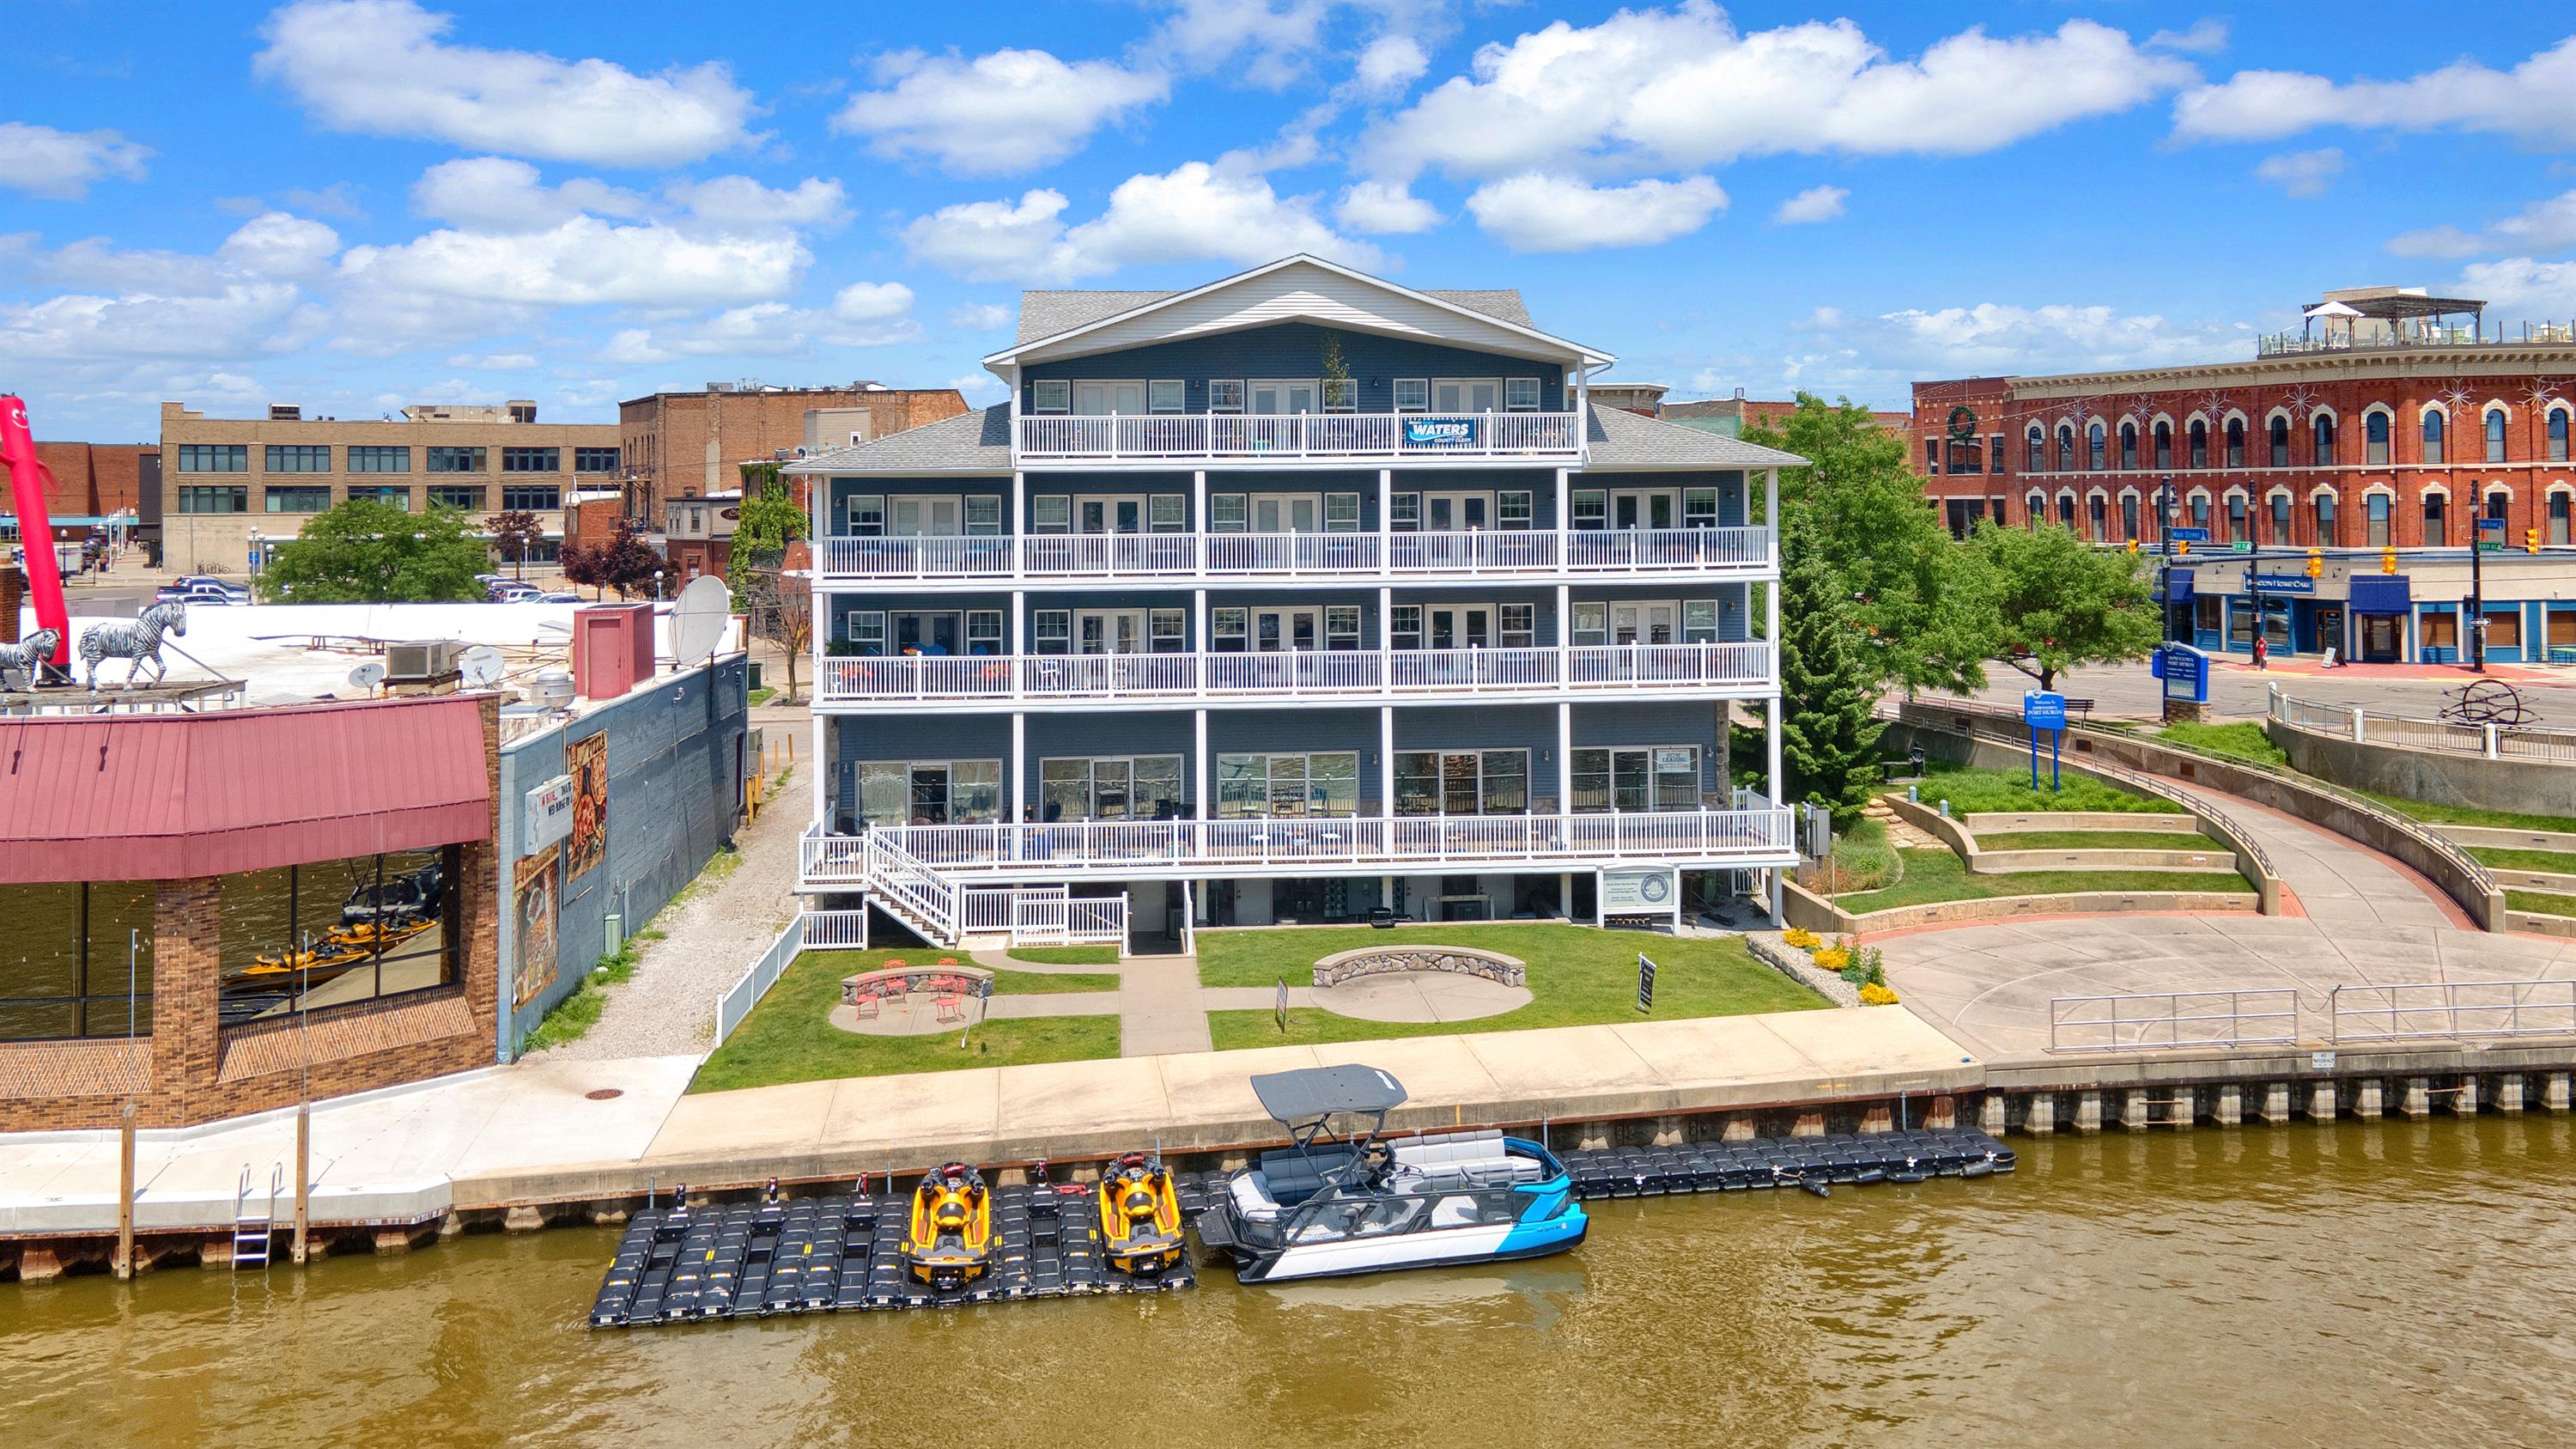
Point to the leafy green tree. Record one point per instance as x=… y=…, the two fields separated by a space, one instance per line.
x=1925 y=606
x=769 y=521
x=366 y=552
x=1828 y=737
x=2063 y=602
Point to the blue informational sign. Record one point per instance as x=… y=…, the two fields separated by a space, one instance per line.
x=2185 y=671
x=1440 y=432
x=2188 y=535
x=2043 y=709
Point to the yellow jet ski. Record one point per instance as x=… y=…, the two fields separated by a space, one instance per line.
x=951 y=1241
x=1140 y=1216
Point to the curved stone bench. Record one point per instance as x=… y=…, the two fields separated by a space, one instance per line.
x=1492 y=966
x=892 y=981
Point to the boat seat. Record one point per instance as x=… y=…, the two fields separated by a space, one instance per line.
x=1290 y=1177
x=1250 y=1200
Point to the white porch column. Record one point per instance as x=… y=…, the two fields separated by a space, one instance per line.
x=1565 y=895
x=1385 y=527
x=1386 y=760
x=1677 y=900
x=1019 y=773
x=1198 y=526
x=1771 y=748
x=1189 y=921
x=1771 y=508
x=1564 y=505
x=1565 y=623
x=1600 y=911
x=821 y=765
x=1386 y=626
x=1019 y=622
x=1199 y=761
x=1565 y=757
x=1019 y=521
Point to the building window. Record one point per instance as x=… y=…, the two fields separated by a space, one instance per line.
x=456 y=460
x=2128 y=445
x=1147 y=787
x=2200 y=511
x=531 y=497
x=1167 y=395
x=1519 y=628
x=1225 y=396
x=2280 y=441
x=2374 y=520
x=1341 y=394
x=394 y=496
x=2437 y=526
x=1657 y=778
x=2065 y=448
x=531 y=460
x=1051 y=395
x=1520 y=394
x=2128 y=516
x=1051 y=513
x=2432 y=434
x=2558 y=505
x=1168 y=513
x=360 y=929
x=1699 y=508
x=370 y=459
x=465 y=496
x=2558 y=435
x=2164 y=444
x=305 y=498
x=1931 y=455
x=2498 y=501
x=983 y=515
x=866 y=515
x=2323 y=432
x=1515 y=510
x=1258 y=786
x=2235 y=442
x=1342 y=626
x=1229 y=630
x=2096 y=447
x=1167 y=631
x=1053 y=629
x=983 y=631
x=217 y=498
x=214 y=457
x=2236 y=519
x=2066 y=511
x=2100 y=509
x=1462 y=782
x=2281 y=518
x=2036 y=443
x=1404 y=512
x=1404 y=625
x=2495 y=435
x=64 y=973
x=930 y=792
x=1591 y=509
x=1413 y=394
x=1995 y=452
x=595 y=460
x=2326 y=536
x=2374 y=440
x=1229 y=512
x=2199 y=443
x=2035 y=510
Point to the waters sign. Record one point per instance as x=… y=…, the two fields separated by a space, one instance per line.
x=1440 y=432
x=2043 y=709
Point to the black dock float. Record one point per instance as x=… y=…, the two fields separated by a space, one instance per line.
x=1817 y=1164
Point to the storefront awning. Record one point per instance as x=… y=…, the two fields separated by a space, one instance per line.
x=2178 y=586
x=2380 y=594
x=166 y=797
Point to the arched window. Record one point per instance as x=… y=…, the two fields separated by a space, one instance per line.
x=2066 y=511
x=2199 y=443
x=2164 y=444
x=2374 y=520
x=2129 y=515
x=2559 y=505
x=2558 y=435
x=2101 y=518
x=2065 y=447
x=2236 y=519
x=2038 y=449
x=2324 y=432
x=2326 y=536
x=2038 y=510
x=2200 y=511
x=2495 y=435
x=2437 y=521
x=2374 y=440
x=2499 y=501
x=2281 y=518
x=2280 y=441
x=2235 y=442
x=2128 y=445
x=2433 y=437
x=2096 y=447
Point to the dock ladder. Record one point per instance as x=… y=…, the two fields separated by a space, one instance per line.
x=253 y=1231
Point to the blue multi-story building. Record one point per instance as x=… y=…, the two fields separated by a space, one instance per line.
x=1293 y=596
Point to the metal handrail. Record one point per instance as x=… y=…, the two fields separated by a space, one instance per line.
x=2244 y=1012
x=2404 y=1007
x=2533 y=742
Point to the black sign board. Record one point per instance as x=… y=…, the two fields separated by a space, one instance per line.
x=1645 y=983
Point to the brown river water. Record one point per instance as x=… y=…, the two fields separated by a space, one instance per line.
x=2399 y=1283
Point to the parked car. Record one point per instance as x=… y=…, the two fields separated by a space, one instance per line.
x=509 y=592
x=559 y=598
x=203 y=591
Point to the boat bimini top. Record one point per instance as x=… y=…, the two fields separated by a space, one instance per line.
x=1304 y=1100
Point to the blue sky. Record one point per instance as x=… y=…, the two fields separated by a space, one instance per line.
x=354 y=204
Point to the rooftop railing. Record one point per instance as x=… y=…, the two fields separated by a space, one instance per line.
x=1189 y=556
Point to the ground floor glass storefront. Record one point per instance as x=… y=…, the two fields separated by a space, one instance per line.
x=334 y=933
x=69 y=957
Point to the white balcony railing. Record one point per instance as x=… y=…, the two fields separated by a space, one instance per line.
x=1182 y=557
x=1754 y=836
x=1002 y=680
x=1152 y=437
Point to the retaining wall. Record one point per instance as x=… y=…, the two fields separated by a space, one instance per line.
x=2441 y=776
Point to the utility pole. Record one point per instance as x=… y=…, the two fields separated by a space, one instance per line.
x=2475 y=624
x=2164 y=546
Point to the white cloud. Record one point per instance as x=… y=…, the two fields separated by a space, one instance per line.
x=871 y=301
x=2535 y=102
x=740 y=203
x=338 y=199
x=1266 y=43
x=1540 y=213
x=765 y=329
x=495 y=361
x=978 y=316
x=2205 y=37
x=2543 y=226
x=60 y=165
x=1009 y=111
x=1389 y=64
x=1816 y=203
x=272 y=247
x=382 y=67
x=2302 y=173
x=1199 y=211
x=2523 y=284
x=1682 y=88
x=1383 y=208
x=492 y=193
x=581 y=262
x=1996 y=337
x=980 y=385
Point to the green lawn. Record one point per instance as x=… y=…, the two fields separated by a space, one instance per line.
x=2541 y=902
x=2243 y=739
x=2556 y=862
x=790 y=1038
x=761 y=695
x=1937 y=875
x=1044 y=983
x=1578 y=976
x=1977 y=792
x=2469 y=815
x=1067 y=955
x=2093 y=840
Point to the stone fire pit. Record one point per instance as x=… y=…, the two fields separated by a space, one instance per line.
x=1491 y=966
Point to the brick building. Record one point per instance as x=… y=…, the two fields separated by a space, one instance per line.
x=1730 y=416
x=693 y=442
x=98 y=488
x=225 y=478
x=2392 y=420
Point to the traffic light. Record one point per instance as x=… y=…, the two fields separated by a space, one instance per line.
x=2133 y=545
x=2182 y=546
x=2531 y=540
x=2316 y=563
x=2388 y=560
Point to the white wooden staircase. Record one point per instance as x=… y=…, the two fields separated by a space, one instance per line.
x=946 y=914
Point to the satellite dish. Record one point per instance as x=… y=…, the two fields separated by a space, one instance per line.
x=368 y=675
x=481 y=666
x=698 y=623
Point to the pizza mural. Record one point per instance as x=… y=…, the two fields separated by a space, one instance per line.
x=589 y=771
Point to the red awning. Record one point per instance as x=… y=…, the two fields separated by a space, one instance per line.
x=162 y=797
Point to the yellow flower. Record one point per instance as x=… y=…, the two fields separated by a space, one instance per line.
x=1876 y=995
x=1804 y=940
x=1833 y=958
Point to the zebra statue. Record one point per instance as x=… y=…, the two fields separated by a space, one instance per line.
x=29 y=654
x=138 y=641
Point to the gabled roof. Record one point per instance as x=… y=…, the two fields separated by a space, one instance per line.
x=1051 y=321
x=971 y=442
x=1620 y=439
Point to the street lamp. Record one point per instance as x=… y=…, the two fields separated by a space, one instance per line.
x=657 y=585
x=258 y=555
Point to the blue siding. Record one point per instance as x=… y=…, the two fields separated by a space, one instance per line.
x=1295 y=350
x=1678 y=722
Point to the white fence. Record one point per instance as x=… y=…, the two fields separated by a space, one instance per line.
x=1495 y=552
x=2150 y=1021
x=810 y=931
x=2446 y=1009
x=2493 y=742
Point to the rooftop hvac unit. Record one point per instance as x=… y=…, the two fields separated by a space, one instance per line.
x=414 y=663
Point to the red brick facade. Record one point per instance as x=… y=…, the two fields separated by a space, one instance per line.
x=694 y=442
x=93 y=479
x=2457 y=389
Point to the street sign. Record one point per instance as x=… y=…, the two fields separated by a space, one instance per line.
x=2188 y=535
x=1645 y=983
x=2043 y=709
x=2244 y=545
x=2490 y=525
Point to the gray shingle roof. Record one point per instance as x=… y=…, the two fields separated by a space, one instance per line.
x=968 y=442
x=1622 y=439
x=1044 y=314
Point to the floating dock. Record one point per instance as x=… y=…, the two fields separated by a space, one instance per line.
x=1815 y=1164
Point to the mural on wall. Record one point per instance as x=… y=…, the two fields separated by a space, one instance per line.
x=534 y=904
x=589 y=769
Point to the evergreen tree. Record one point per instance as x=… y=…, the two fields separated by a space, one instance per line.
x=1829 y=740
